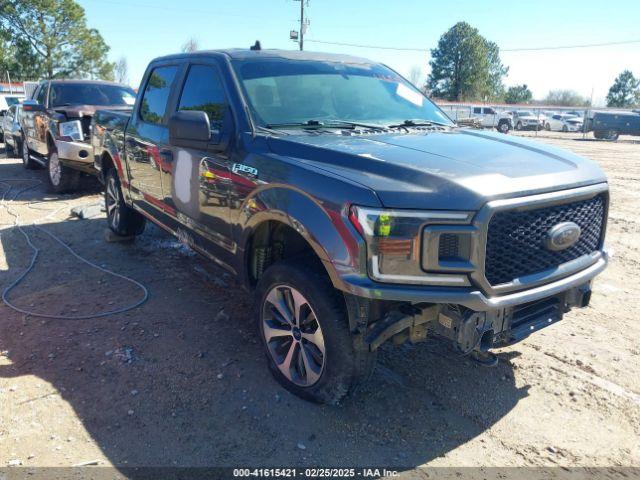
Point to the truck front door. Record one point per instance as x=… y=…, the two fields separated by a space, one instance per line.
x=199 y=187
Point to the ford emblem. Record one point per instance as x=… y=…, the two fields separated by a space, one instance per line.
x=562 y=236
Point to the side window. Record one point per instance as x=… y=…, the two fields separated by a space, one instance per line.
x=156 y=94
x=203 y=91
x=489 y=111
x=477 y=110
x=42 y=94
x=556 y=117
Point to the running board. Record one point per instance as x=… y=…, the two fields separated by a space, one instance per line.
x=38 y=160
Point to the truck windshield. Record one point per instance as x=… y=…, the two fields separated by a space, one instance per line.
x=289 y=92
x=90 y=94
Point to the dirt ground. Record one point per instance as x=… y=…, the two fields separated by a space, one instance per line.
x=181 y=381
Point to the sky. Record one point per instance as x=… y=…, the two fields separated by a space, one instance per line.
x=141 y=30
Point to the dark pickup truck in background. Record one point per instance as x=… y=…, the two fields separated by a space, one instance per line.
x=352 y=207
x=55 y=126
x=610 y=125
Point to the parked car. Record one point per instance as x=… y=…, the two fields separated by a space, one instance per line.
x=356 y=211
x=12 y=131
x=610 y=125
x=490 y=118
x=55 y=126
x=526 y=120
x=561 y=122
x=6 y=101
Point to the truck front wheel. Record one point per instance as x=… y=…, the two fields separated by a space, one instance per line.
x=122 y=219
x=61 y=179
x=304 y=328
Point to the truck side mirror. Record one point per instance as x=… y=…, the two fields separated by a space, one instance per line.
x=32 y=106
x=189 y=128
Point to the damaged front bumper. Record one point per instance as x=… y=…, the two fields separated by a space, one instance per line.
x=471 y=330
x=76 y=155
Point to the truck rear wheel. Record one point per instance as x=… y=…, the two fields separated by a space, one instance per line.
x=503 y=126
x=122 y=219
x=27 y=162
x=61 y=178
x=304 y=327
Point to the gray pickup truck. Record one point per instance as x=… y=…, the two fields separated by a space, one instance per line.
x=352 y=207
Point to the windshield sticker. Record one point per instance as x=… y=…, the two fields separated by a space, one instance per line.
x=409 y=95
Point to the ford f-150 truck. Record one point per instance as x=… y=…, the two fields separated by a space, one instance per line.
x=55 y=127
x=352 y=207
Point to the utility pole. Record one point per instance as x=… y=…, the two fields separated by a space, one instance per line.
x=298 y=36
x=302 y=25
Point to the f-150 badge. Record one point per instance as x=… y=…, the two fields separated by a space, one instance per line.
x=239 y=167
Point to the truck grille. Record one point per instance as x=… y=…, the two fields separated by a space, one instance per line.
x=515 y=239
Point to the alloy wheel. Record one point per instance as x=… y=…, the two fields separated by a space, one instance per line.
x=55 y=169
x=293 y=335
x=112 y=203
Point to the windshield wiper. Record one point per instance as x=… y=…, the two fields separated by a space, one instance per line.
x=307 y=124
x=325 y=124
x=418 y=123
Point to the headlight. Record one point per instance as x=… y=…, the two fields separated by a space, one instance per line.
x=72 y=130
x=404 y=246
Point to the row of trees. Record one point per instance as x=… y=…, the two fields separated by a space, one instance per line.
x=51 y=39
x=465 y=66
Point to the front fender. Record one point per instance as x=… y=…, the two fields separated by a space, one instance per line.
x=324 y=226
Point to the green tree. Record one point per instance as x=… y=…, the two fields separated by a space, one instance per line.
x=58 y=39
x=566 y=98
x=518 y=94
x=16 y=58
x=466 y=66
x=625 y=91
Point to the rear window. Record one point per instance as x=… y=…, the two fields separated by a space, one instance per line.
x=156 y=94
x=12 y=100
x=62 y=95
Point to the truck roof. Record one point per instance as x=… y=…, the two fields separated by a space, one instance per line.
x=71 y=81
x=245 y=54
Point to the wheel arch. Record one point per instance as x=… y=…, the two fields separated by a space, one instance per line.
x=325 y=231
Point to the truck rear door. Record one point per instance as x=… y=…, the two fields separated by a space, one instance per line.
x=147 y=137
x=35 y=123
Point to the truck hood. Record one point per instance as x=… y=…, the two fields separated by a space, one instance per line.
x=458 y=169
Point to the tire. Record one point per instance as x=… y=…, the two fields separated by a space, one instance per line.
x=547 y=127
x=62 y=179
x=8 y=150
x=325 y=367
x=18 y=147
x=122 y=219
x=611 y=135
x=565 y=129
x=27 y=162
x=503 y=127
x=519 y=126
